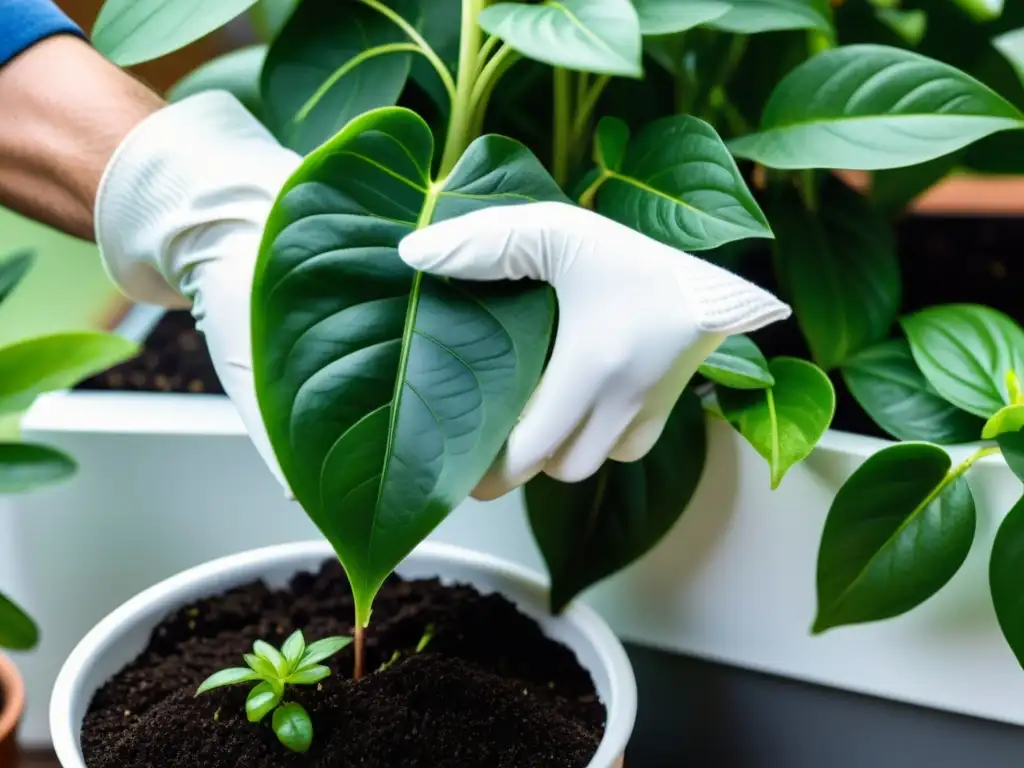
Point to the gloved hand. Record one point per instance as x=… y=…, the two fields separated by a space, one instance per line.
x=179 y=218
x=636 y=320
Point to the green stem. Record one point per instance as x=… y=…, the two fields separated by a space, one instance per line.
x=587 y=198
x=563 y=133
x=588 y=104
x=490 y=75
x=809 y=189
x=485 y=54
x=461 y=122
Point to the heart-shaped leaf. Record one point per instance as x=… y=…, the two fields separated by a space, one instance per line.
x=388 y=393
x=1012 y=446
x=1006 y=574
x=587 y=531
x=25 y=467
x=868 y=107
x=785 y=422
x=679 y=184
x=965 y=351
x=888 y=385
x=17 y=631
x=750 y=17
x=667 y=17
x=840 y=270
x=132 y=31
x=601 y=36
x=12 y=270
x=331 y=63
x=738 y=364
x=897 y=531
x=237 y=72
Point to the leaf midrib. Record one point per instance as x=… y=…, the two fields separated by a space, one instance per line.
x=764 y=131
x=634 y=182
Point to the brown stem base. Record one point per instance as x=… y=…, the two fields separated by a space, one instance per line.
x=360 y=652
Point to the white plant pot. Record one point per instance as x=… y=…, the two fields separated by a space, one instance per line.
x=123 y=635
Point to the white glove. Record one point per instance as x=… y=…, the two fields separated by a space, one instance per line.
x=636 y=320
x=179 y=218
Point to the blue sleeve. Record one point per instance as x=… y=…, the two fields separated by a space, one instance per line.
x=23 y=23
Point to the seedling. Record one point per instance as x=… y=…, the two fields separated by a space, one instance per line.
x=274 y=670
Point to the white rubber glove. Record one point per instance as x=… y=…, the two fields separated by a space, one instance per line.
x=179 y=217
x=636 y=320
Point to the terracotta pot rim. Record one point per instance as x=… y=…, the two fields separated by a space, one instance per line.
x=12 y=691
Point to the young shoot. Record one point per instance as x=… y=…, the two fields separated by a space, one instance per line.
x=274 y=670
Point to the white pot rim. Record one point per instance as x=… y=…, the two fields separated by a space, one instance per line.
x=222 y=573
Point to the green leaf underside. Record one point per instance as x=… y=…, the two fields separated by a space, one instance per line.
x=888 y=385
x=387 y=394
x=26 y=466
x=587 y=531
x=237 y=72
x=12 y=270
x=869 y=107
x=785 y=422
x=739 y=364
x=666 y=17
x=748 y=17
x=1006 y=574
x=1010 y=418
x=17 y=631
x=898 y=530
x=320 y=38
x=965 y=352
x=680 y=185
x=132 y=31
x=840 y=269
x=601 y=36
x=1012 y=446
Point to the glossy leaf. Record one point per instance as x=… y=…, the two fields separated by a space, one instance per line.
x=898 y=530
x=17 y=631
x=294 y=648
x=45 y=363
x=261 y=702
x=750 y=17
x=132 y=31
x=387 y=394
x=587 y=531
x=785 y=422
x=840 y=271
x=293 y=727
x=25 y=467
x=237 y=72
x=739 y=364
x=225 y=677
x=309 y=675
x=1012 y=446
x=680 y=185
x=667 y=17
x=1006 y=574
x=1010 y=418
x=611 y=141
x=888 y=385
x=965 y=351
x=320 y=74
x=867 y=107
x=323 y=649
x=12 y=270
x=270 y=653
x=601 y=36
x=264 y=668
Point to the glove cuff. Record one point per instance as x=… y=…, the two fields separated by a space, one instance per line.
x=201 y=161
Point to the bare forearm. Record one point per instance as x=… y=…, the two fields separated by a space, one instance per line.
x=65 y=109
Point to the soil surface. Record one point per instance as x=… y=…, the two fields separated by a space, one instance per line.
x=489 y=690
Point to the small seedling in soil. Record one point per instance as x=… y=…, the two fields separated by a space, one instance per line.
x=274 y=670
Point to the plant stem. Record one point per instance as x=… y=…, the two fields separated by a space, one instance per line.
x=360 y=651
x=563 y=133
x=461 y=122
x=490 y=75
x=588 y=104
x=587 y=198
x=808 y=189
x=485 y=54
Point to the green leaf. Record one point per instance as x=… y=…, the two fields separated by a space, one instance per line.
x=1008 y=419
x=12 y=270
x=601 y=36
x=667 y=17
x=897 y=531
x=264 y=668
x=226 y=677
x=909 y=25
x=270 y=653
x=1006 y=574
x=840 y=270
x=25 y=467
x=611 y=140
x=17 y=631
x=293 y=727
x=749 y=17
x=439 y=22
x=1012 y=446
x=132 y=31
x=866 y=107
x=739 y=364
x=965 y=352
x=320 y=74
x=261 y=701
x=1011 y=45
x=33 y=366
x=888 y=385
x=237 y=72
x=982 y=10
x=785 y=422
x=587 y=531
x=894 y=189
x=294 y=648
x=309 y=675
x=680 y=185
x=268 y=17
x=323 y=649
x=387 y=394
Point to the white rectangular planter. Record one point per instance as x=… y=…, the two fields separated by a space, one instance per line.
x=171 y=481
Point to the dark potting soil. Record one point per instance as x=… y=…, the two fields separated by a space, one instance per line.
x=489 y=690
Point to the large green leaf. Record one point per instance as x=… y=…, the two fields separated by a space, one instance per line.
x=1006 y=574
x=840 y=271
x=784 y=422
x=750 y=17
x=587 y=531
x=132 y=31
x=12 y=270
x=17 y=631
x=237 y=72
x=31 y=367
x=679 y=184
x=666 y=17
x=869 y=107
x=25 y=467
x=1012 y=446
x=331 y=63
x=739 y=364
x=888 y=385
x=965 y=351
x=600 y=36
x=388 y=393
x=897 y=531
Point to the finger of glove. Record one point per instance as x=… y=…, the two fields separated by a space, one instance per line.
x=588 y=449
x=641 y=436
x=497 y=482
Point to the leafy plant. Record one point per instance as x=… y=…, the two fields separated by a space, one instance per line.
x=27 y=369
x=387 y=394
x=274 y=670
